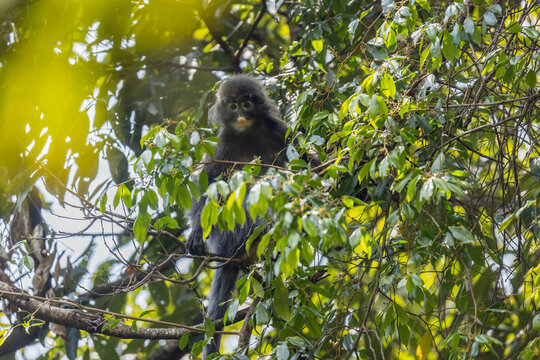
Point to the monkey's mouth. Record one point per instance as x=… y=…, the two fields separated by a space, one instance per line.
x=242 y=123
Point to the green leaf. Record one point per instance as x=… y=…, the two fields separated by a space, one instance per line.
x=367 y=85
x=400 y=185
x=146 y=157
x=507 y=221
x=373 y=107
x=309 y=226
x=183 y=341
x=152 y=197
x=257 y=288
x=509 y=74
x=281 y=300
x=126 y=195
x=291 y=263
x=194 y=190
x=243 y=290
x=381 y=105
x=261 y=314
x=352 y=27
x=530 y=79
x=146 y=312
x=233 y=309
x=263 y=244
x=203 y=180
x=140 y=228
x=431 y=32
x=388 y=87
x=411 y=189
x=383 y=167
x=474 y=349
x=468 y=26
x=391 y=39
x=490 y=18
x=166 y=221
x=297 y=341
x=456 y=37
x=449 y=51
x=254 y=236
x=239 y=213
x=355 y=238
x=461 y=234
x=536 y=322
x=160 y=141
x=103 y=203
x=364 y=171
x=495 y=8
x=531 y=33
x=253 y=200
x=424 y=56
x=209 y=328
x=408 y=211
x=344 y=110
x=116 y=199
x=348 y=342
x=427 y=190
x=405 y=11
x=282 y=352
x=307 y=253
x=438 y=164
x=513 y=27
x=435 y=48
x=364 y=99
x=183 y=197
x=487 y=340
x=424 y=4
x=451 y=11
x=28 y=262
x=209 y=217
x=195 y=138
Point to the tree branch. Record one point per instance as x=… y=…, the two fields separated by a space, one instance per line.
x=218 y=38
x=93 y=323
x=251 y=30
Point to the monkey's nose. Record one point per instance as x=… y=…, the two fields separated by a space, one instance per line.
x=242 y=123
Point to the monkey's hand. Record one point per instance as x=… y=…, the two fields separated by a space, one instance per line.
x=195 y=244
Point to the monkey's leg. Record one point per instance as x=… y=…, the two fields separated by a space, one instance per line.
x=223 y=284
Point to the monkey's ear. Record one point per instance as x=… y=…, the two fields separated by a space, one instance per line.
x=213 y=113
x=218 y=95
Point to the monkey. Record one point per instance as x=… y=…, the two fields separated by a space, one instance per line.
x=249 y=126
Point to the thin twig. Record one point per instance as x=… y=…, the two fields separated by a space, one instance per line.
x=251 y=30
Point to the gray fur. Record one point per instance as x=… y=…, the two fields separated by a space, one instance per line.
x=263 y=138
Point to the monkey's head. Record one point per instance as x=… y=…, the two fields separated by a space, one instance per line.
x=242 y=104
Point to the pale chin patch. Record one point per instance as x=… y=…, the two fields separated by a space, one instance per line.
x=241 y=124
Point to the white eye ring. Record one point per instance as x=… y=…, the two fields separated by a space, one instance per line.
x=247 y=105
x=233 y=106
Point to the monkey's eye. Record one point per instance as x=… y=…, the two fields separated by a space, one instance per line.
x=247 y=105
x=233 y=106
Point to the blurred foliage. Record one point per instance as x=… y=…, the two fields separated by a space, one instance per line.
x=423 y=217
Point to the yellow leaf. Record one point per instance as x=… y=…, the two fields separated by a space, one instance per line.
x=318 y=45
x=423 y=348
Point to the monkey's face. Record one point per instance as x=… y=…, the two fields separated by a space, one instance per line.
x=239 y=112
x=241 y=104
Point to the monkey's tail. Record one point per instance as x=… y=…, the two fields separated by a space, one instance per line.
x=223 y=283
